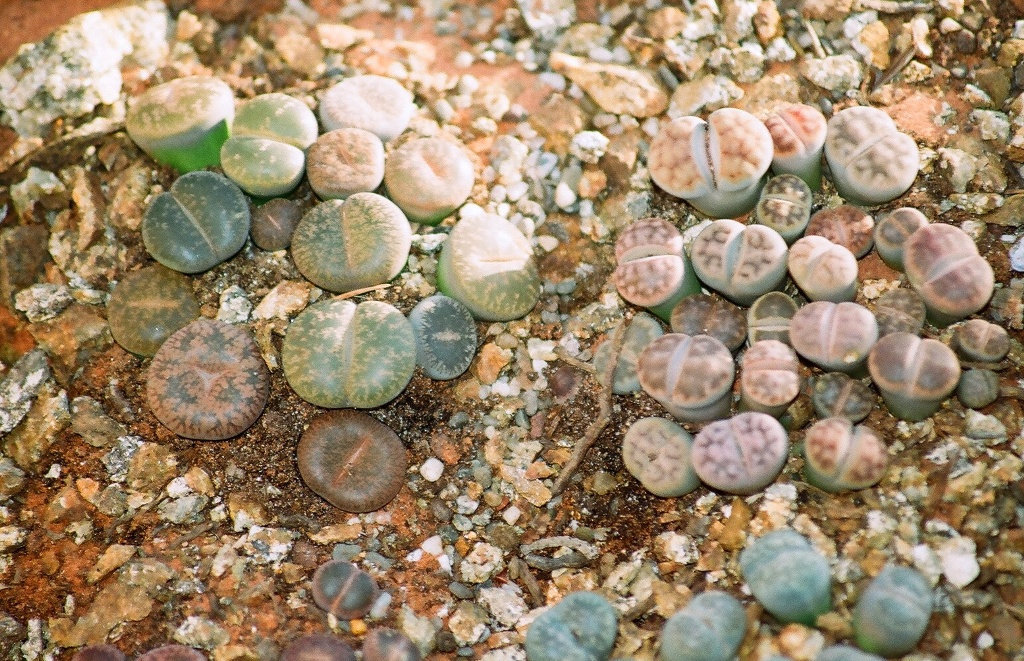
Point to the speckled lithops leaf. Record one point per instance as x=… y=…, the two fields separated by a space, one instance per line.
x=445 y=336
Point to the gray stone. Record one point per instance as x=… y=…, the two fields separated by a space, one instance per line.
x=420 y=630
x=1017 y=255
x=12 y=479
x=180 y=510
x=836 y=73
x=468 y=623
x=20 y=386
x=42 y=301
x=120 y=456
x=200 y=632
x=505 y=606
x=89 y=421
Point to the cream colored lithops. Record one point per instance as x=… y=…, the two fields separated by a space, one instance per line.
x=718 y=166
x=653 y=270
x=429 y=178
x=377 y=104
x=871 y=161
x=843 y=457
x=835 y=336
x=798 y=134
x=691 y=377
x=769 y=377
x=823 y=270
x=741 y=262
x=344 y=162
x=785 y=206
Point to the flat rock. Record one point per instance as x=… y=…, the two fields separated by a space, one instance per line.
x=615 y=88
x=19 y=387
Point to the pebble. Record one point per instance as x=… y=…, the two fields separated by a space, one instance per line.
x=431 y=469
x=483 y=561
x=1017 y=255
x=983 y=427
x=958 y=561
x=44 y=301
x=615 y=88
x=505 y=606
x=835 y=73
x=19 y=387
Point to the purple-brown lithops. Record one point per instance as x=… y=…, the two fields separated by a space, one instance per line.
x=741 y=455
x=147 y=306
x=173 y=653
x=656 y=451
x=899 y=311
x=208 y=381
x=374 y=103
x=384 y=644
x=344 y=162
x=318 y=647
x=769 y=377
x=798 y=135
x=871 y=161
x=99 y=653
x=741 y=262
x=835 y=336
x=914 y=375
x=824 y=271
x=892 y=230
x=691 y=377
x=273 y=223
x=943 y=265
x=769 y=317
x=835 y=394
x=705 y=314
x=785 y=206
x=843 y=457
x=981 y=341
x=846 y=225
x=652 y=270
x=429 y=178
x=343 y=590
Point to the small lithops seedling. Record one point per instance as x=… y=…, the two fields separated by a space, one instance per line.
x=943 y=265
x=429 y=178
x=843 y=457
x=345 y=161
x=837 y=395
x=200 y=222
x=642 y=330
x=653 y=271
x=769 y=317
x=147 y=306
x=274 y=222
x=338 y=354
x=834 y=336
x=690 y=376
x=871 y=161
x=703 y=314
x=741 y=262
x=656 y=452
x=978 y=388
x=981 y=341
x=487 y=264
x=208 y=381
x=373 y=103
x=892 y=613
x=583 y=625
x=718 y=166
x=769 y=377
x=900 y=311
x=384 y=644
x=343 y=245
x=99 y=653
x=845 y=653
x=914 y=375
x=343 y=590
x=893 y=230
x=846 y=225
x=741 y=455
x=183 y=123
x=445 y=336
x=173 y=653
x=824 y=271
x=785 y=206
x=709 y=628
x=798 y=134
x=788 y=576
x=317 y=647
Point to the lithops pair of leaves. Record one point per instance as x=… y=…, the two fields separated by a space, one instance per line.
x=834 y=336
x=798 y=135
x=846 y=225
x=981 y=341
x=871 y=161
x=652 y=270
x=892 y=232
x=785 y=206
x=690 y=376
x=274 y=222
x=317 y=647
x=835 y=394
x=703 y=314
x=741 y=262
x=769 y=377
x=943 y=265
x=445 y=336
x=656 y=451
x=709 y=628
x=373 y=103
x=147 y=306
x=429 y=178
x=642 y=330
x=788 y=576
x=840 y=456
x=900 y=311
x=741 y=455
x=770 y=316
x=583 y=625
x=914 y=375
x=823 y=270
x=343 y=590
x=891 y=615
x=345 y=161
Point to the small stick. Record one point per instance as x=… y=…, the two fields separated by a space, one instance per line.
x=815 y=41
x=895 y=68
x=362 y=290
x=564 y=356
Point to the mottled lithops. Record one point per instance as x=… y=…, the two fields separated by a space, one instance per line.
x=846 y=225
x=870 y=160
x=709 y=628
x=769 y=317
x=741 y=262
x=900 y=311
x=445 y=336
x=769 y=377
x=834 y=336
x=208 y=381
x=429 y=178
x=843 y=457
x=845 y=653
x=147 y=306
x=893 y=230
x=384 y=644
x=837 y=395
x=652 y=270
x=642 y=330
x=343 y=590
x=741 y=455
x=824 y=271
x=977 y=388
x=343 y=245
x=656 y=451
x=798 y=135
x=785 y=206
x=704 y=314
x=943 y=265
x=200 y=222
x=914 y=375
x=583 y=625
x=892 y=613
x=274 y=222
x=373 y=103
x=344 y=162
x=184 y=122
x=718 y=166
x=487 y=264
x=690 y=376
x=981 y=341
x=317 y=647
x=788 y=576
x=338 y=354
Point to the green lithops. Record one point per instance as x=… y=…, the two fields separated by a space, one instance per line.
x=710 y=628
x=788 y=576
x=429 y=178
x=581 y=627
x=892 y=613
x=642 y=330
x=656 y=451
x=487 y=264
x=147 y=306
x=338 y=354
x=184 y=122
x=978 y=388
x=445 y=336
x=343 y=245
x=199 y=223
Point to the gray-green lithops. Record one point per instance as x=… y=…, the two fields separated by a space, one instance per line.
x=769 y=317
x=445 y=336
x=709 y=628
x=642 y=330
x=374 y=103
x=429 y=178
x=147 y=306
x=656 y=451
x=914 y=375
x=652 y=270
x=835 y=336
x=824 y=271
x=769 y=377
x=843 y=457
x=892 y=613
x=785 y=206
x=344 y=162
x=788 y=576
x=893 y=230
x=835 y=394
x=704 y=314
x=899 y=311
x=581 y=627
x=981 y=341
x=741 y=455
x=741 y=262
x=690 y=376
x=978 y=388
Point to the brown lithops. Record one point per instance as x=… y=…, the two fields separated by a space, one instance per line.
x=769 y=377
x=769 y=317
x=836 y=336
x=892 y=231
x=846 y=225
x=943 y=265
x=344 y=162
x=147 y=306
x=343 y=590
x=705 y=314
x=798 y=135
x=274 y=222
x=823 y=270
x=981 y=341
x=914 y=375
x=690 y=376
x=653 y=272
x=899 y=311
x=843 y=457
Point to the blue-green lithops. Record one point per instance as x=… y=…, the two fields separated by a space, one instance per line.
x=892 y=613
x=843 y=457
x=445 y=336
x=835 y=336
x=836 y=394
x=183 y=123
x=709 y=628
x=769 y=377
x=769 y=317
x=344 y=162
x=824 y=271
x=656 y=451
x=642 y=330
x=785 y=206
x=978 y=388
x=788 y=576
x=914 y=375
x=147 y=306
x=741 y=455
x=429 y=178
x=339 y=354
x=199 y=223
x=845 y=653
x=581 y=627
x=652 y=270
x=741 y=262
x=691 y=377
x=892 y=231
x=374 y=103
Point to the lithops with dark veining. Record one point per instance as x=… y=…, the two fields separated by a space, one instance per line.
x=344 y=162
x=914 y=375
x=741 y=455
x=892 y=231
x=690 y=376
x=384 y=644
x=652 y=270
x=703 y=314
x=843 y=457
x=147 y=306
x=274 y=222
x=709 y=628
x=769 y=377
x=871 y=161
x=788 y=576
x=741 y=262
x=173 y=653
x=785 y=206
x=835 y=394
x=208 y=381
x=343 y=590
x=373 y=103
x=846 y=225
x=798 y=135
x=429 y=178
x=642 y=330
x=769 y=317
x=981 y=341
x=824 y=271
x=977 y=388
x=943 y=265
x=317 y=647
x=583 y=625
x=445 y=336
x=891 y=615
x=834 y=336
x=900 y=311
x=656 y=451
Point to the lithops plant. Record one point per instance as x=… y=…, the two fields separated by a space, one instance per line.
x=385 y=644
x=846 y=225
x=583 y=625
x=445 y=336
x=338 y=354
x=843 y=457
x=652 y=270
x=845 y=653
x=769 y=317
x=798 y=135
x=709 y=628
x=703 y=314
x=373 y=103
x=741 y=262
x=977 y=388
x=642 y=330
x=487 y=265
x=788 y=576
x=871 y=161
x=834 y=336
x=183 y=123
x=344 y=162
x=274 y=222
x=914 y=375
x=99 y=653
x=785 y=206
x=769 y=377
x=900 y=311
x=343 y=245
x=147 y=306
x=429 y=178
x=317 y=647
x=892 y=613
x=173 y=653
x=943 y=265
x=824 y=271
x=690 y=376
x=343 y=590
x=835 y=394
x=718 y=166
x=981 y=341
x=741 y=455
x=892 y=230
x=200 y=222
x=656 y=451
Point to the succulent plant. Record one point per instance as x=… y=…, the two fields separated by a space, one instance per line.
x=704 y=314
x=769 y=317
x=147 y=306
x=741 y=455
x=870 y=160
x=274 y=222
x=892 y=613
x=899 y=311
x=200 y=222
x=344 y=162
x=580 y=627
x=172 y=653
x=835 y=394
x=656 y=451
x=798 y=134
x=342 y=589
x=785 y=206
x=981 y=341
x=653 y=271
x=317 y=647
x=99 y=653
x=741 y=262
x=943 y=265
x=834 y=336
x=769 y=377
x=373 y=103
x=893 y=230
x=642 y=330
x=445 y=336
x=690 y=376
x=845 y=653
x=487 y=265
x=384 y=644
x=845 y=225
x=914 y=375
x=841 y=457
x=824 y=271
x=429 y=178
x=978 y=388
x=718 y=166
x=338 y=354
x=709 y=628
x=183 y=123
x=788 y=576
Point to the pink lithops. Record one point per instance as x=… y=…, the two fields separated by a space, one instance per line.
x=981 y=341
x=892 y=232
x=823 y=270
x=718 y=166
x=943 y=265
x=798 y=134
x=652 y=270
x=849 y=226
x=871 y=161
x=656 y=451
x=741 y=455
x=690 y=376
x=835 y=336
x=914 y=375
x=769 y=377
x=842 y=457
x=741 y=262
